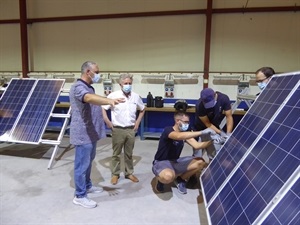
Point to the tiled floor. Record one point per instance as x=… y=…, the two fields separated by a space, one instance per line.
x=32 y=194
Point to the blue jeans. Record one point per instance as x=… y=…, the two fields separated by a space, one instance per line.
x=84 y=156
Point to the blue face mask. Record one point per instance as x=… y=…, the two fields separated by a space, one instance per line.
x=183 y=127
x=96 y=78
x=262 y=85
x=126 y=88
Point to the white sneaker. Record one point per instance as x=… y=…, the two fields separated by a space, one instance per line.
x=85 y=202
x=94 y=189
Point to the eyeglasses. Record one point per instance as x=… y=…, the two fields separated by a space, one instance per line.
x=259 y=81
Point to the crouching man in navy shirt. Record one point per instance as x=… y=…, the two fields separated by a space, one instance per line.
x=168 y=166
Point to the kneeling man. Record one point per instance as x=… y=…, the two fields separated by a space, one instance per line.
x=168 y=166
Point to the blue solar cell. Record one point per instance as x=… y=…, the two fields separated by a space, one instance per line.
x=242 y=219
x=295 y=100
x=34 y=119
x=239 y=179
x=272 y=156
x=247 y=195
x=277 y=156
x=256 y=206
x=287 y=166
x=11 y=102
x=295 y=151
x=271 y=186
x=234 y=210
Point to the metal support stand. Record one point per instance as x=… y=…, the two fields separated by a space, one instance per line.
x=61 y=134
x=248 y=99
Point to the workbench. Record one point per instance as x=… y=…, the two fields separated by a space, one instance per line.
x=156 y=119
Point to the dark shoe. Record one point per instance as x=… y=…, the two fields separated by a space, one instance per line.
x=159 y=187
x=114 y=180
x=181 y=185
x=193 y=181
x=132 y=178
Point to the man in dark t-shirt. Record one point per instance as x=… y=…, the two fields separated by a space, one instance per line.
x=211 y=108
x=167 y=164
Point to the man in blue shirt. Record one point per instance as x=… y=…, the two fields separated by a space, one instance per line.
x=167 y=164
x=86 y=128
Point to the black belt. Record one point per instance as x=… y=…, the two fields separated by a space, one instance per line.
x=129 y=127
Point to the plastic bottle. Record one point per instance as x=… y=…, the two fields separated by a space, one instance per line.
x=150 y=100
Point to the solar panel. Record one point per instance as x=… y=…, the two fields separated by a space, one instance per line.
x=36 y=114
x=12 y=102
x=259 y=157
x=29 y=104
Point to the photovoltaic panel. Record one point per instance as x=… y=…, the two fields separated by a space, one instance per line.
x=245 y=133
x=238 y=184
x=12 y=102
x=36 y=114
x=260 y=176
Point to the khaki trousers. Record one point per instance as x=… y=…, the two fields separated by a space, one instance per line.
x=122 y=138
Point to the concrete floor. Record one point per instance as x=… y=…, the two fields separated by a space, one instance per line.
x=32 y=194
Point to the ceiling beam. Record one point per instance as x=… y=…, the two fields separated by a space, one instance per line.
x=157 y=13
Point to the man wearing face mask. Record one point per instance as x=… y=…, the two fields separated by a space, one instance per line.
x=211 y=108
x=124 y=125
x=86 y=128
x=168 y=166
x=263 y=76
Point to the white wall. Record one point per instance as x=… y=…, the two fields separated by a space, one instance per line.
x=241 y=42
x=147 y=44
x=245 y=42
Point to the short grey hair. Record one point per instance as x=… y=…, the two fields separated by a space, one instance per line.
x=124 y=76
x=86 y=66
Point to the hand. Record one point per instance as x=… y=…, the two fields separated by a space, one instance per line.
x=208 y=131
x=116 y=101
x=120 y=100
x=110 y=125
x=220 y=140
x=225 y=135
x=135 y=128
